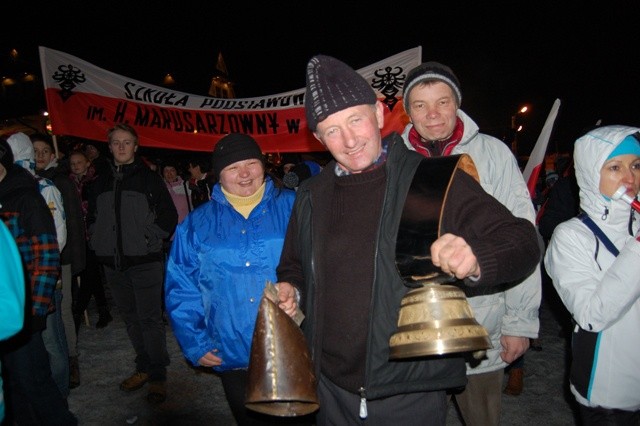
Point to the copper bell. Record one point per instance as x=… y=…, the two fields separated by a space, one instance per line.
x=281 y=376
x=435 y=317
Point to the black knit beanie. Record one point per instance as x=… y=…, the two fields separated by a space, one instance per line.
x=333 y=86
x=232 y=148
x=430 y=71
x=6 y=155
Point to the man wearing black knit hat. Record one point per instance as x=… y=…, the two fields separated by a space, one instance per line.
x=438 y=127
x=340 y=253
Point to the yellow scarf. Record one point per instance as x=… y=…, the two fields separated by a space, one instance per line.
x=244 y=205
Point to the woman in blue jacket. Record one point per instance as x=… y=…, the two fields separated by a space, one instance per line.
x=223 y=254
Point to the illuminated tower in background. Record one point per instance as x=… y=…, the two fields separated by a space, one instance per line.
x=221 y=86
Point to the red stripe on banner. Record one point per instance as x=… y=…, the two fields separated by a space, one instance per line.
x=90 y=116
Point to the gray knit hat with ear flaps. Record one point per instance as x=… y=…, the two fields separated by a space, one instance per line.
x=430 y=71
x=333 y=86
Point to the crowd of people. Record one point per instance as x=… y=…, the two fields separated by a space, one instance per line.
x=196 y=243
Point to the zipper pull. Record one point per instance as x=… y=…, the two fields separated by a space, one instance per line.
x=363 y=404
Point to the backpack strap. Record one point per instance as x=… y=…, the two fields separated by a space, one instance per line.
x=598 y=233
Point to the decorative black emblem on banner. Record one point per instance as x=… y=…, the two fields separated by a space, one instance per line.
x=68 y=77
x=389 y=82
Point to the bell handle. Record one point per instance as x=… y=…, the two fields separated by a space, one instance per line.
x=418 y=281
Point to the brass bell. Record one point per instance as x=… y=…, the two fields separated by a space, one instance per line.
x=436 y=319
x=281 y=378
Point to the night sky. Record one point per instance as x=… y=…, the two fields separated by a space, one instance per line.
x=506 y=54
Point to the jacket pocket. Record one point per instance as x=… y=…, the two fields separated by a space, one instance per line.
x=154 y=236
x=583 y=350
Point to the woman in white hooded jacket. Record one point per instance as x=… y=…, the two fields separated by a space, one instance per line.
x=600 y=289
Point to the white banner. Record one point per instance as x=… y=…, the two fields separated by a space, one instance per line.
x=85 y=101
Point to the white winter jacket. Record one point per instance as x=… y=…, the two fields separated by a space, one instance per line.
x=601 y=291
x=513 y=312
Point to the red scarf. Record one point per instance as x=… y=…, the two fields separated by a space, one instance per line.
x=436 y=148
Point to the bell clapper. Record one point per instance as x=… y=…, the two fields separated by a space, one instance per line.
x=479 y=354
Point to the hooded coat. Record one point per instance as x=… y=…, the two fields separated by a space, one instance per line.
x=601 y=291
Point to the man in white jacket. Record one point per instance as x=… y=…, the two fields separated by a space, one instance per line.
x=439 y=127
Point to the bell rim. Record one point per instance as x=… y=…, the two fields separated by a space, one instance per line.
x=283 y=408
x=433 y=348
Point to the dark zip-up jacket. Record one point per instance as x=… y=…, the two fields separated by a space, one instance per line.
x=506 y=248
x=29 y=219
x=130 y=213
x=74 y=252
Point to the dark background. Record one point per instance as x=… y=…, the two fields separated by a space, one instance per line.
x=505 y=53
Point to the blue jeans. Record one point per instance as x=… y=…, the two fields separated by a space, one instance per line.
x=55 y=341
x=32 y=396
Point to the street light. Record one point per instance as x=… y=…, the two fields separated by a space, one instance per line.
x=168 y=80
x=516 y=128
